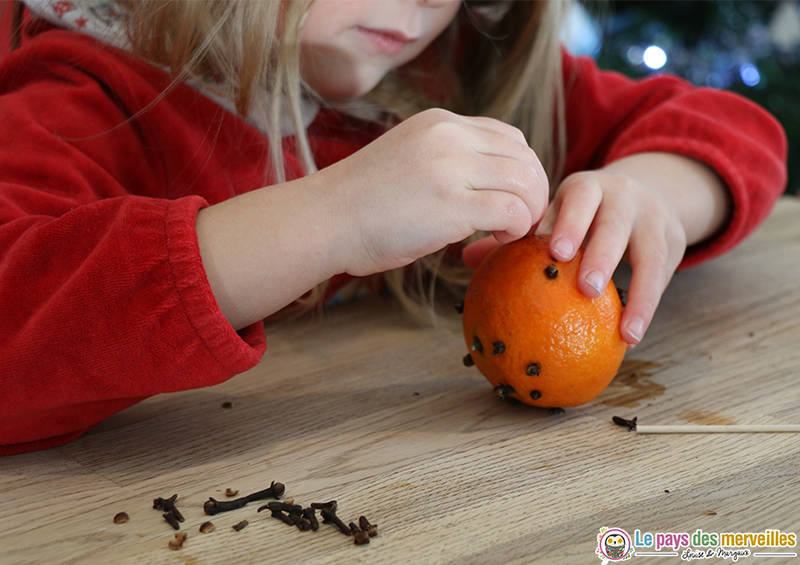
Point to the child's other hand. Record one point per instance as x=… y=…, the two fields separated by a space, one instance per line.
x=617 y=215
x=432 y=180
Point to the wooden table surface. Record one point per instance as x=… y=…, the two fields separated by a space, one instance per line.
x=368 y=408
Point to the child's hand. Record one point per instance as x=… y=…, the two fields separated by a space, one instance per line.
x=648 y=207
x=431 y=181
x=617 y=215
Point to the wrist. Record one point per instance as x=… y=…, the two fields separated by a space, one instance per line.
x=333 y=212
x=348 y=222
x=264 y=249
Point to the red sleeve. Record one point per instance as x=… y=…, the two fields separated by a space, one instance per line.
x=103 y=297
x=610 y=116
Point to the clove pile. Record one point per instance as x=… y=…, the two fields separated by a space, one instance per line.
x=304 y=518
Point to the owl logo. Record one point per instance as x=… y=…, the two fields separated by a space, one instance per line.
x=613 y=544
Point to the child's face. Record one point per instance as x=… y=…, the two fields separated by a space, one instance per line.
x=348 y=46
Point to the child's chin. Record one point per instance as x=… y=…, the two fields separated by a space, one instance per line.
x=348 y=89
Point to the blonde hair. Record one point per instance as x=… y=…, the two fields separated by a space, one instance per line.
x=248 y=50
x=252 y=48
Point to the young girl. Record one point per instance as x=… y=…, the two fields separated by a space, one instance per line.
x=171 y=173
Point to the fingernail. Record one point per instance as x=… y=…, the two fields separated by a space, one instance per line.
x=564 y=248
x=635 y=329
x=596 y=280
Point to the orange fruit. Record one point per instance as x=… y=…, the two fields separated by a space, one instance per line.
x=533 y=334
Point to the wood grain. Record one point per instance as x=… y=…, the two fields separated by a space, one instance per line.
x=378 y=413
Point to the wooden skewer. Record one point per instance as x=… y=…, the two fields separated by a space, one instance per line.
x=633 y=425
x=724 y=429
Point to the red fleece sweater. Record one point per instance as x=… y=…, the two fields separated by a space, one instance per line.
x=103 y=296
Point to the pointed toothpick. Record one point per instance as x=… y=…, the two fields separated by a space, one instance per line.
x=634 y=426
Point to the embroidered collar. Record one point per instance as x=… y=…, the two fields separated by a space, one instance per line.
x=102 y=19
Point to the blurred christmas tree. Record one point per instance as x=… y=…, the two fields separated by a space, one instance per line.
x=749 y=47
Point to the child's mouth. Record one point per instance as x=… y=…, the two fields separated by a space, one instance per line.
x=390 y=42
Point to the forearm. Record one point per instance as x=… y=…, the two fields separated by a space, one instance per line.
x=264 y=249
x=696 y=193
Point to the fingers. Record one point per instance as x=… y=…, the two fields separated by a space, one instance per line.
x=615 y=215
x=484 y=154
x=512 y=178
x=575 y=207
x=654 y=258
x=498 y=211
x=648 y=282
x=495 y=138
x=499 y=145
x=611 y=232
x=490 y=124
x=488 y=128
x=580 y=207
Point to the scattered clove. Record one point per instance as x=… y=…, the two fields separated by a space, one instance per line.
x=360 y=536
x=231 y=492
x=278 y=514
x=168 y=505
x=532 y=370
x=331 y=505
x=329 y=517
x=121 y=518
x=630 y=424
x=172 y=520
x=551 y=271
x=371 y=529
x=240 y=526
x=623 y=296
x=227 y=404
x=213 y=506
x=177 y=541
x=283 y=506
x=468 y=362
x=556 y=411
x=207 y=527
x=536 y=395
x=498 y=347
x=310 y=514
x=302 y=524
x=459 y=306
